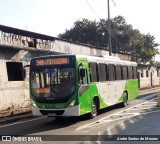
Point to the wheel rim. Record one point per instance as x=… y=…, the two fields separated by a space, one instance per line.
x=94 y=109
x=125 y=99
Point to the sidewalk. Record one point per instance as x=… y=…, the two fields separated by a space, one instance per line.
x=148 y=90
x=28 y=115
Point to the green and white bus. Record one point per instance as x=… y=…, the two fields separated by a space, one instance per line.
x=74 y=85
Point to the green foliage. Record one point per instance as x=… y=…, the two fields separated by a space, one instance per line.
x=84 y=31
x=125 y=39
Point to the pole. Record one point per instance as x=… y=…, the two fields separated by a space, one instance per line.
x=109 y=30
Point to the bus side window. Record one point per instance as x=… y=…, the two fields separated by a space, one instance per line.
x=130 y=72
x=83 y=79
x=124 y=72
x=102 y=72
x=118 y=72
x=135 y=72
x=111 y=72
x=94 y=76
x=107 y=72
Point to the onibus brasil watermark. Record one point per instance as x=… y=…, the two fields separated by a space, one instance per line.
x=21 y=138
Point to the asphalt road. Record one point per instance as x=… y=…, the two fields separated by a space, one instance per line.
x=140 y=118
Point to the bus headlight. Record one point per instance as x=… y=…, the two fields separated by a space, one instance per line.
x=72 y=103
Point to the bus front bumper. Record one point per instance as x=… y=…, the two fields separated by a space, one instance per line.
x=69 y=111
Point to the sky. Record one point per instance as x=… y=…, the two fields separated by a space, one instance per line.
x=52 y=17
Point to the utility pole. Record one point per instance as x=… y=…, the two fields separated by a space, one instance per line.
x=109 y=30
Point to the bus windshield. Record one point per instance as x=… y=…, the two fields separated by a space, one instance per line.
x=52 y=83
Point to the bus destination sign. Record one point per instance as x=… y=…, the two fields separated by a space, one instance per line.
x=52 y=61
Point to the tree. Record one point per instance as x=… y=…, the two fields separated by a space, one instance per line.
x=121 y=35
x=149 y=49
x=84 y=31
x=125 y=39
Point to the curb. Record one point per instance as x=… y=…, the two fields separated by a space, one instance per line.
x=17 y=117
x=147 y=90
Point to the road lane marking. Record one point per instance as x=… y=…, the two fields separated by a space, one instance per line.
x=22 y=122
x=106 y=121
x=108 y=118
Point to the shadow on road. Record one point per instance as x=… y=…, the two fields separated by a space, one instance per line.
x=45 y=124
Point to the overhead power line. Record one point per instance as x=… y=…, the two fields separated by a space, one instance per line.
x=114 y=3
x=121 y=45
x=92 y=9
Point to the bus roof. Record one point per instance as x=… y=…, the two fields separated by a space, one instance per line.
x=106 y=59
x=95 y=58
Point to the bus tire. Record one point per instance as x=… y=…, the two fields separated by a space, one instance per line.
x=94 y=110
x=125 y=99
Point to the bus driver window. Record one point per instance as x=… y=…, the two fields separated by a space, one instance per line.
x=83 y=79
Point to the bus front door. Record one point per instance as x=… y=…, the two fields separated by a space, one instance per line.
x=84 y=92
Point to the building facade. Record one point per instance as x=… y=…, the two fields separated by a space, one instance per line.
x=148 y=76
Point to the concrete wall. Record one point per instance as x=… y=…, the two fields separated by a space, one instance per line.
x=14 y=95
x=53 y=45
x=150 y=80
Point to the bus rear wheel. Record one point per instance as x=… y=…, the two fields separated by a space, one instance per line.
x=93 y=113
x=125 y=99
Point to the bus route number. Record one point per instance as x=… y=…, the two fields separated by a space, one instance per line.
x=54 y=61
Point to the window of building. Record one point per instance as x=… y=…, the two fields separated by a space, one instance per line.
x=15 y=71
x=147 y=73
x=141 y=73
x=157 y=72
